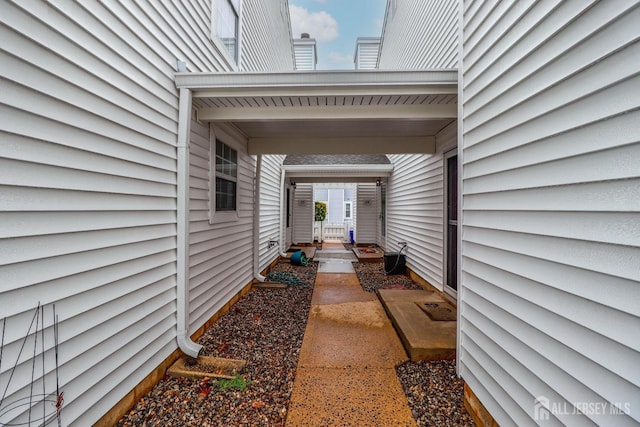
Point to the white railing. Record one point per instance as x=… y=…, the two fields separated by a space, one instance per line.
x=336 y=231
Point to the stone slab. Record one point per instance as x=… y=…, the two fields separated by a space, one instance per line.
x=423 y=338
x=363 y=256
x=213 y=367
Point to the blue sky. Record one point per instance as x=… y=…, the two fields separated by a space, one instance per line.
x=336 y=24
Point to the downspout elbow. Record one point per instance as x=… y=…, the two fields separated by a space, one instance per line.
x=187 y=346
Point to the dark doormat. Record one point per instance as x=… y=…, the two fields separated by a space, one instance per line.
x=438 y=311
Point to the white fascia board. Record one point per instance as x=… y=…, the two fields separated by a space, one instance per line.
x=347 y=145
x=301 y=83
x=311 y=171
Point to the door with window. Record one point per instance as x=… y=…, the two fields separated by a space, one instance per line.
x=451 y=221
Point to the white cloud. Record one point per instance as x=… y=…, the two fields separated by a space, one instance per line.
x=320 y=25
x=340 y=61
x=378 y=23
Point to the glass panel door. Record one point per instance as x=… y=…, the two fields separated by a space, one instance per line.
x=451 y=221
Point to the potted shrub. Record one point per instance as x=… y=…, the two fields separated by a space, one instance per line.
x=320 y=215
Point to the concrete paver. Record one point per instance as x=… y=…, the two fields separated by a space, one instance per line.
x=350 y=334
x=346 y=371
x=335 y=266
x=337 y=279
x=328 y=294
x=348 y=397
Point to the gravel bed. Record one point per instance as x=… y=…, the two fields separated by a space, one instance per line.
x=266 y=328
x=435 y=393
x=372 y=277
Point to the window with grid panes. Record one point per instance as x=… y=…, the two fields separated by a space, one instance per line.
x=226 y=177
x=228 y=12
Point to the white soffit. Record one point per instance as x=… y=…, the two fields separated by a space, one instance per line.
x=324 y=112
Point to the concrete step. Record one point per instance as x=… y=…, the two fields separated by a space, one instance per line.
x=423 y=338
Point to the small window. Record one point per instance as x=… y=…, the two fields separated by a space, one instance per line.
x=348 y=211
x=226 y=177
x=227 y=24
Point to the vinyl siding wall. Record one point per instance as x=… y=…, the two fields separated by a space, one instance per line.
x=367 y=53
x=221 y=244
x=415 y=207
x=551 y=190
x=270 y=208
x=88 y=189
x=266 y=36
x=366 y=224
x=420 y=34
x=305 y=54
x=303 y=213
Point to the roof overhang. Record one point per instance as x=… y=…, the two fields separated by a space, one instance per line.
x=329 y=112
x=337 y=173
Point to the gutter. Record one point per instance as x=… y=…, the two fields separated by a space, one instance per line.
x=185 y=344
x=256 y=221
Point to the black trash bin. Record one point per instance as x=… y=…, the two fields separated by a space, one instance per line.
x=393 y=264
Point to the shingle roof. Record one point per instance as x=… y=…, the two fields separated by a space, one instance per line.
x=336 y=159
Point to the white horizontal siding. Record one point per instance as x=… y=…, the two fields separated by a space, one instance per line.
x=367 y=55
x=415 y=207
x=221 y=249
x=270 y=208
x=266 y=37
x=303 y=213
x=87 y=186
x=366 y=225
x=305 y=55
x=420 y=34
x=551 y=229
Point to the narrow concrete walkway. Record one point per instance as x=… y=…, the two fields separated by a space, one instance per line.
x=346 y=371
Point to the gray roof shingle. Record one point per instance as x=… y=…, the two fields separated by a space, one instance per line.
x=336 y=159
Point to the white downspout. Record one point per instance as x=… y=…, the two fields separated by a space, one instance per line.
x=182 y=287
x=256 y=222
x=283 y=213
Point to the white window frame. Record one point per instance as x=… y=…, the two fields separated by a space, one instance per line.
x=216 y=217
x=234 y=63
x=344 y=211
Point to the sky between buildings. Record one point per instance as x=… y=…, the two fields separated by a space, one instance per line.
x=336 y=24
